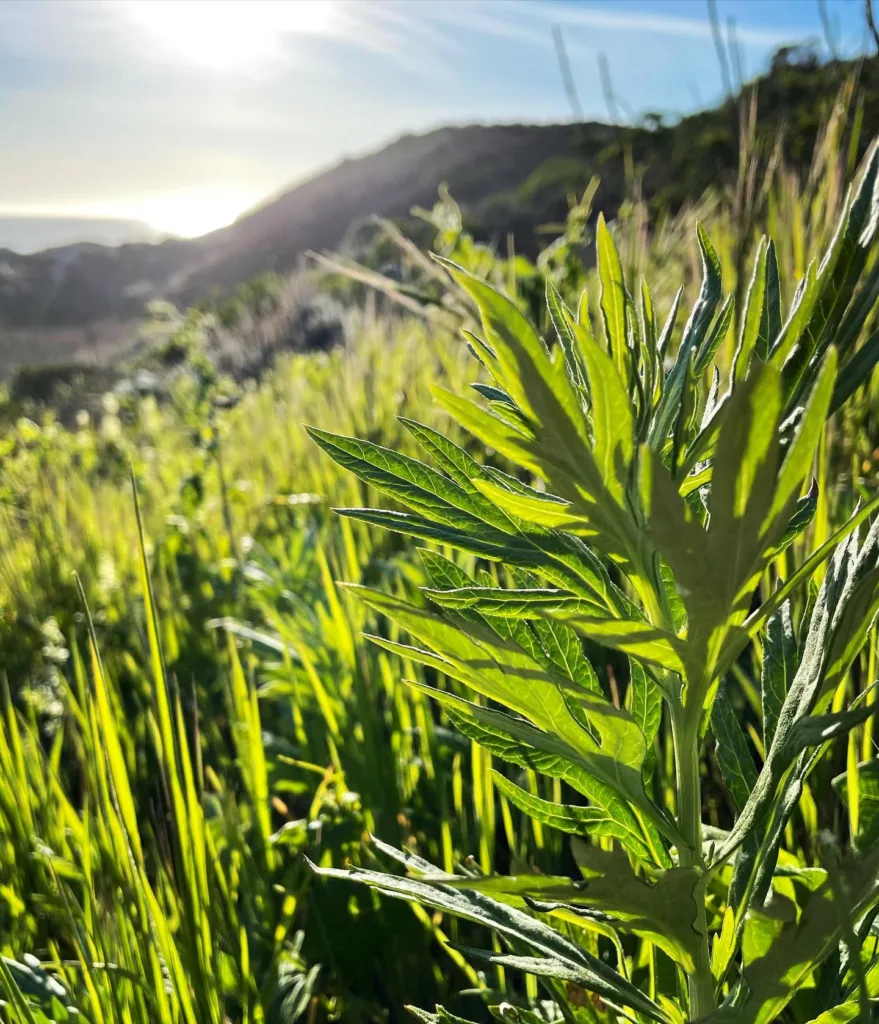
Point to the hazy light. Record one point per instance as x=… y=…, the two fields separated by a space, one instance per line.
x=229 y=34
x=186 y=214
x=191 y=214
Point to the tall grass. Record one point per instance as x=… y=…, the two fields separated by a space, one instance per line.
x=189 y=714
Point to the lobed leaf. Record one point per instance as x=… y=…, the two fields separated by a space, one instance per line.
x=511 y=923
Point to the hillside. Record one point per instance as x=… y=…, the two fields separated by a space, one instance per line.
x=76 y=285
x=63 y=302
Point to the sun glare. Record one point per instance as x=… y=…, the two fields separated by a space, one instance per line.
x=230 y=34
x=184 y=214
x=191 y=214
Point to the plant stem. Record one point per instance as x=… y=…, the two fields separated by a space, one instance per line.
x=685 y=734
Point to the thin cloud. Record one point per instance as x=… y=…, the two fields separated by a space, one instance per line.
x=662 y=24
x=495 y=18
x=397 y=32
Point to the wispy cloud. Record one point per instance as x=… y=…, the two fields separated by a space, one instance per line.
x=516 y=19
x=642 y=21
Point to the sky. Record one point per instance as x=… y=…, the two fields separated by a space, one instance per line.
x=185 y=113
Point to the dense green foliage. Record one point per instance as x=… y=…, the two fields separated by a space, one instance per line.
x=190 y=715
x=660 y=529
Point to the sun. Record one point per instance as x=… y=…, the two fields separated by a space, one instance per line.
x=184 y=213
x=191 y=214
x=226 y=35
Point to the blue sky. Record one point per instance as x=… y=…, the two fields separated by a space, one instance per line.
x=183 y=113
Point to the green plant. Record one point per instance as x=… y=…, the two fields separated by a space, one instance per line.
x=262 y=662
x=639 y=512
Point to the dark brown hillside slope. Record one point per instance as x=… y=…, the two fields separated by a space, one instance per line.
x=83 y=284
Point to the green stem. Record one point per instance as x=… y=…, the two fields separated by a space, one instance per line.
x=685 y=734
